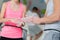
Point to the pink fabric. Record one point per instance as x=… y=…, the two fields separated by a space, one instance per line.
x=0 y=33
x=10 y=23
x=8 y=31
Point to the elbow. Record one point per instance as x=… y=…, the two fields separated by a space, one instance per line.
x=57 y=18
x=54 y=19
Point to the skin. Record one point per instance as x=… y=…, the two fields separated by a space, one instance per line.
x=49 y=19
x=3 y=11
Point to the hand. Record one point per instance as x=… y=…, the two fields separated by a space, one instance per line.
x=20 y=24
x=14 y=20
x=35 y=20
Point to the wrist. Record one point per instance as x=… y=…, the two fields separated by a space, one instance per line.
x=5 y=20
x=40 y=21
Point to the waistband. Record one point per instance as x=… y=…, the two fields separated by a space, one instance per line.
x=10 y=38
x=52 y=29
x=12 y=26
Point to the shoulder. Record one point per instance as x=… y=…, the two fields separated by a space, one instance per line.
x=4 y=5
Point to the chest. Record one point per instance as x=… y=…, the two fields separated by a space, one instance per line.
x=17 y=13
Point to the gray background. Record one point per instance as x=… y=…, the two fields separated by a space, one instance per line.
x=36 y=3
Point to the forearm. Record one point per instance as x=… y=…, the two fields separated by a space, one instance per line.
x=49 y=19
x=3 y=20
x=52 y=18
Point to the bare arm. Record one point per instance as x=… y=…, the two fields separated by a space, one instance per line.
x=2 y=13
x=52 y=18
x=55 y=16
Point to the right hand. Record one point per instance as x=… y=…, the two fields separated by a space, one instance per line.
x=20 y=24
x=15 y=20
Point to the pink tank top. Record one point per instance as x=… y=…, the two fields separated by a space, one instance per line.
x=10 y=31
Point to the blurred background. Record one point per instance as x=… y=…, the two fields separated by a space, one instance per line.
x=40 y=4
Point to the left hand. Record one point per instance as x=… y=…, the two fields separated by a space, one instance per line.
x=35 y=20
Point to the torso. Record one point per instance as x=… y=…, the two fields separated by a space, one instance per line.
x=12 y=32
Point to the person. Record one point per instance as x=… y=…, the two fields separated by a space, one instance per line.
x=11 y=14
x=51 y=19
x=34 y=30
